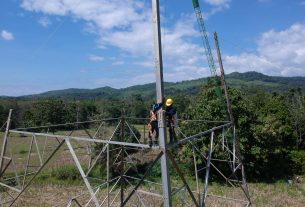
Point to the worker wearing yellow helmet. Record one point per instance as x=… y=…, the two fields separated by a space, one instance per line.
x=169 y=102
x=171 y=119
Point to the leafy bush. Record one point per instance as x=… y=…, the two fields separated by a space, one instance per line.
x=298 y=158
x=68 y=172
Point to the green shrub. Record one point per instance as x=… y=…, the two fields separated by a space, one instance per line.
x=68 y=172
x=298 y=158
x=23 y=151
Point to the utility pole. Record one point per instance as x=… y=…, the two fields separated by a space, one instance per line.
x=224 y=83
x=236 y=147
x=236 y=143
x=159 y=90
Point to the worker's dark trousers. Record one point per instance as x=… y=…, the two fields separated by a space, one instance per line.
x=172 y=134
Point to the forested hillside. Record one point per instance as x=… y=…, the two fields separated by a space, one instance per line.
x=249 y=82
x=269 y=113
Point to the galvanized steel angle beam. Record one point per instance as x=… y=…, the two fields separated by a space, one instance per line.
x=142 y=179
x=39 y=170
x=182 y=178
x=80 y=169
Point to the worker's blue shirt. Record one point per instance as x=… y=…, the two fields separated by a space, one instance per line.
x=170 y=111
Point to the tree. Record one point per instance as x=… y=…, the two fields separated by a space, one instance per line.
x=263 y=127
x=46 y=112
x=2 y=115
x=268 y=155
x=295 y=100
x=137 y=107
x=208 y=106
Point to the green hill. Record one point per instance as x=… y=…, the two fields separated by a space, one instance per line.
x=249 y=82
x=253 y=81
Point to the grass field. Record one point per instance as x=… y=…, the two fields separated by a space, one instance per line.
x=278 y=194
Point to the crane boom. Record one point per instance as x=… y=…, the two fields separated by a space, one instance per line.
x=204 y=38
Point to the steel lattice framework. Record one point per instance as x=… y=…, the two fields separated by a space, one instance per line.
x=118 y=186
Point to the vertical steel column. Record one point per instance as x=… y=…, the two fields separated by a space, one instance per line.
x=196 y=175
x=245 y=185
x=225 y=86
x=159 y=90
x=122 y=157
x=108 y=199
x=236 y=143
x=234 y=148
x=145 y=141
x=207 y=174
x=8 y=123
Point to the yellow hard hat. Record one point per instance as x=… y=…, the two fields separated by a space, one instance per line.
x=169 y=102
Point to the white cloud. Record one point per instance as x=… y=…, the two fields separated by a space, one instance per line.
x=84 y=70
x=7 y=35
x=303 y=3
x=96 y=58
x=279 y=53
x=217 y=6
x=222 y=3
x=44 y=21
x=264 y=1
x=119 y=62
x=104 y=13
x=50 y=7
x=103 y=17
x=127 y=25
x=137 y=40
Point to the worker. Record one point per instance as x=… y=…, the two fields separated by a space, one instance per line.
x=171 y=119
x=153 y=130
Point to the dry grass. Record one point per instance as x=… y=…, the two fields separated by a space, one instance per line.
x=265 y=195
x=278 y=194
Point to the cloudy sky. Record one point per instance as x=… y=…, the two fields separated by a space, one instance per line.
x=57 y=44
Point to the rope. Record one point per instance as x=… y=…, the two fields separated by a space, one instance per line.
x=52 y=34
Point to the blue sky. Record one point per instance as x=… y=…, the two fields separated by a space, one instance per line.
x=58 y=44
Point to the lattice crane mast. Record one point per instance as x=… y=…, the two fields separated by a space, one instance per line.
x=205 y=42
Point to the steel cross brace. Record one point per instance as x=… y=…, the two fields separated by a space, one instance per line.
x=207 y=175
x=182 y=177
x=244 y=188
x=142 y=179
x=38 y=171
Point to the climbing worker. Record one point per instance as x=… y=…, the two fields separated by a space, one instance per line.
x=153 y=130
x=171 y=119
